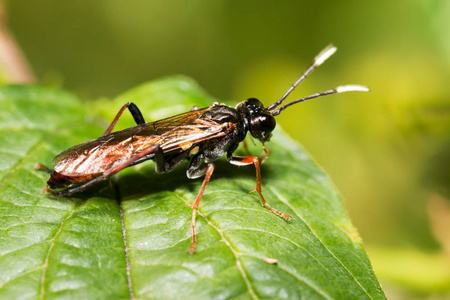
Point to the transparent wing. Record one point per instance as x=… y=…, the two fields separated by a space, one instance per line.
x=174 y=135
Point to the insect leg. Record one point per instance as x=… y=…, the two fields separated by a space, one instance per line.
x=159 y=160
x=194 y=172
x=266 y=153
x=46 y=169
x=248 y=160
x=42 y=167
x=247 y=150
x=135 y=112
x=244 y=144
x=108 y=173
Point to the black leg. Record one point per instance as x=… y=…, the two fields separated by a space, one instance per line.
x=194 y=170
x=160 y=161
x=135 y=112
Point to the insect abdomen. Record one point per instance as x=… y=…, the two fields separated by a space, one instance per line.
x=59 y=181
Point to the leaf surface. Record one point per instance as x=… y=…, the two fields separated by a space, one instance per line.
x=54 y=247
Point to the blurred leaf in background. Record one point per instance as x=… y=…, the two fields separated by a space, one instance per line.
x=388 y=151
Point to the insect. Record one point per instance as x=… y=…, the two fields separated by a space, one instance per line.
x=200 y=136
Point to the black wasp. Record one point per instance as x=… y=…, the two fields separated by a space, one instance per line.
x=200 y=136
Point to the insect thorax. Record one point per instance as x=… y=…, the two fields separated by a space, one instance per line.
x=221 y=114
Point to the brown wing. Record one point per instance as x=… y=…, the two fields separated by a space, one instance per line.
x=177 y=133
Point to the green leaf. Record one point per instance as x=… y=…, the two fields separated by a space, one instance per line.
x=73 y=248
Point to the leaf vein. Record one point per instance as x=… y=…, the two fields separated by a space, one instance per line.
x=287 y=239
x=299 y=278
x=21 y=161
x=20 y=275
x=52 y=244
x=235 y=253
x=280 y=197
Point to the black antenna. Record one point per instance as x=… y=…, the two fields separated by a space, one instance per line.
x=318 y=60
x=339 y=89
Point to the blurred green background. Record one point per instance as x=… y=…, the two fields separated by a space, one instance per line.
x=387 y=151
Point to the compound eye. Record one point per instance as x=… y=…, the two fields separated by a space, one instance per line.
x=261 y=126
x=268 y=125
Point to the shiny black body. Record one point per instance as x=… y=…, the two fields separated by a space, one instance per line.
x=200 y=136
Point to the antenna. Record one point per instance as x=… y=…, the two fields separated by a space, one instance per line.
x=318 y=60
x=339 y=89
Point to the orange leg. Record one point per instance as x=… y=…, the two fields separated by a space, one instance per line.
x=266 y=153
x=42 y=167
x=247 y=160
x=135 y=112
x=209 y=170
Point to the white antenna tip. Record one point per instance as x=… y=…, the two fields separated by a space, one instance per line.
x=352 y=88
x=324 y=54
